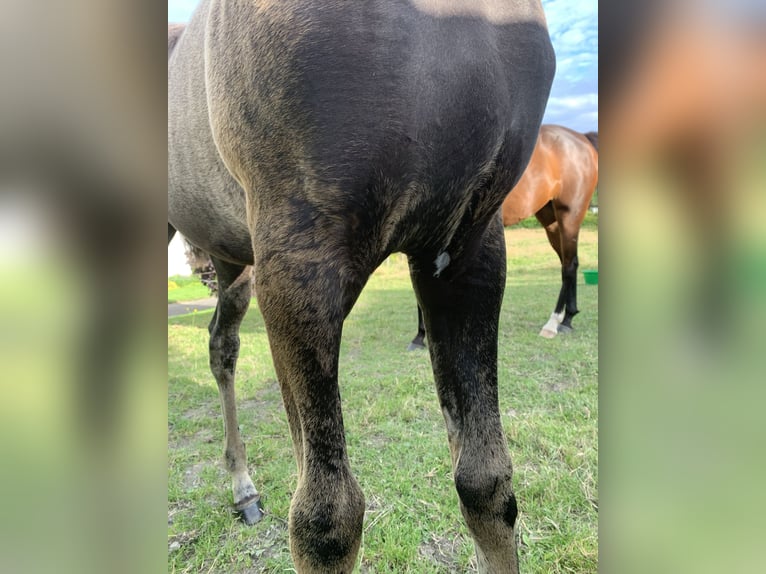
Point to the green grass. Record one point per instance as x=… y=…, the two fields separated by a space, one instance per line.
x=395 y=432
x=589 y=222
x=187 y=289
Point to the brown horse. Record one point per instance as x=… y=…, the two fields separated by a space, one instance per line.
x=314 y=139
x=556 y=187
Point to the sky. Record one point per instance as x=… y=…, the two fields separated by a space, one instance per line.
x=573 y=26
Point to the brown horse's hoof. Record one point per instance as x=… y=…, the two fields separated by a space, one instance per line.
x=250 y=511
x=564 y=329
x=415 y=346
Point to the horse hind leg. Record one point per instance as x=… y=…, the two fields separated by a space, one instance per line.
x=569 y=291
x=570 y=221
x=234 y=293
x=548 y=218
x=304 y=297
x=461 y=316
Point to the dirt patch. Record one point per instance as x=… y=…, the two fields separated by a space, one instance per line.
x=271 y=542
x=182 y=540
x=175 y=508
x=443 y=552
x=192 y=475
x=560 y=386
x=182 y=442
x=375 y=441
x=204 y=436
x=265 y=404
x=205 y=411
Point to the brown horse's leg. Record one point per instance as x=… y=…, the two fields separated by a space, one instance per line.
x=304 y=296
x=568 y=297
x=461 y=315
x=570 y=218
x=234 y=292
x=548 y=218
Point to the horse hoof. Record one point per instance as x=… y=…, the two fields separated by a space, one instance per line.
x=252 y=512
x=565 y=329
x=548 y=334
x=415 y=346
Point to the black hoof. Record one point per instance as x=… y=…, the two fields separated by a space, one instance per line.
x=415 y=346
x=250 y=511
x=565 y=329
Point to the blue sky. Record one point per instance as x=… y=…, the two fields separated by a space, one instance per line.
x=573 y=25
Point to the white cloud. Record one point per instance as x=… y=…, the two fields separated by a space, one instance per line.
x=578 y=111
x=573 y=26
x=574 y=102
x=589 y=117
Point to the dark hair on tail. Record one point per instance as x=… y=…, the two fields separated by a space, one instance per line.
x=592 y=138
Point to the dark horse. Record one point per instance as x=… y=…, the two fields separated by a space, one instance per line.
x=556 y=187
x=313 y=139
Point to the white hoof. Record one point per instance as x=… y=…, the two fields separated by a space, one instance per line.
x=547 y=333
x=551 y=328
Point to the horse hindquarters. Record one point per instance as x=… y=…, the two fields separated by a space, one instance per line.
x=461 y=317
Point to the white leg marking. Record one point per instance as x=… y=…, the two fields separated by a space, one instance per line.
x=551 y=328
x=242 y=486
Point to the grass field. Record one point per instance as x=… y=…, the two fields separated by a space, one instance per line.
x=186 y=289
x=395 y=432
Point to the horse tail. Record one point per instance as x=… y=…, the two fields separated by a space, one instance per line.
x=593 y=139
